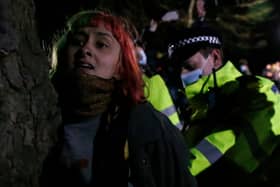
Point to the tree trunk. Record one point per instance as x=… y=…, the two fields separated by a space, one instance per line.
x=28 y=114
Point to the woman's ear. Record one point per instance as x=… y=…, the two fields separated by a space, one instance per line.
x=217 y=55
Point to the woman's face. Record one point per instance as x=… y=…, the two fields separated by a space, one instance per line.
x=94 y=51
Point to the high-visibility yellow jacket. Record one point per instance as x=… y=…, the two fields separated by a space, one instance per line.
x=158 y=95
x=239 y=122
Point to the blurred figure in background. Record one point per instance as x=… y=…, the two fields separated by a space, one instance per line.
x=272 y=71
x=156 y=91
x=244 y=67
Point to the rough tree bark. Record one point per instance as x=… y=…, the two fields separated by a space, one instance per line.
x=28 y=114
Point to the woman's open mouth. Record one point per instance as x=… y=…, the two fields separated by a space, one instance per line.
x=85 y=66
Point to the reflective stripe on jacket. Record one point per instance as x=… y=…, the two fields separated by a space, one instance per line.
x=256 y=122
x=210 y=149
x=158 y=95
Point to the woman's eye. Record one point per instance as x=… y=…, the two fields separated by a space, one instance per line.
x=77 y=41
x=101 y=45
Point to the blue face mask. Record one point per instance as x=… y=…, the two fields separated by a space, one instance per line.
x=191 y=77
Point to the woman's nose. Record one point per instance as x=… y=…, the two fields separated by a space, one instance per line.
x=86 y=49
x=86 y=52
x=83 y=51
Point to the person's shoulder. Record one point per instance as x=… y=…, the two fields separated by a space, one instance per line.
x=145 y=111
x=142 y=115
x=269 y=85
x=251 y=81
x=144 y=119
x=265 y=80
x=258 y=82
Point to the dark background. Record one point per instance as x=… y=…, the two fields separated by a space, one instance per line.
x=251 y=28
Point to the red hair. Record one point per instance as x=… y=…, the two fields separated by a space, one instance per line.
x=131 y=77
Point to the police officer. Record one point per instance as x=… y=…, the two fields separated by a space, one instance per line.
x=158 y=94
x=234 y=124
x=155 y=89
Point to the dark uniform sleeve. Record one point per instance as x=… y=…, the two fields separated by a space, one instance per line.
x=158 y=154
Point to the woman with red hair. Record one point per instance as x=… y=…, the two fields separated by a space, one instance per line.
x=111 y=136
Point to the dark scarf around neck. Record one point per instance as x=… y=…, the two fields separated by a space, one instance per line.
x=84 y=96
